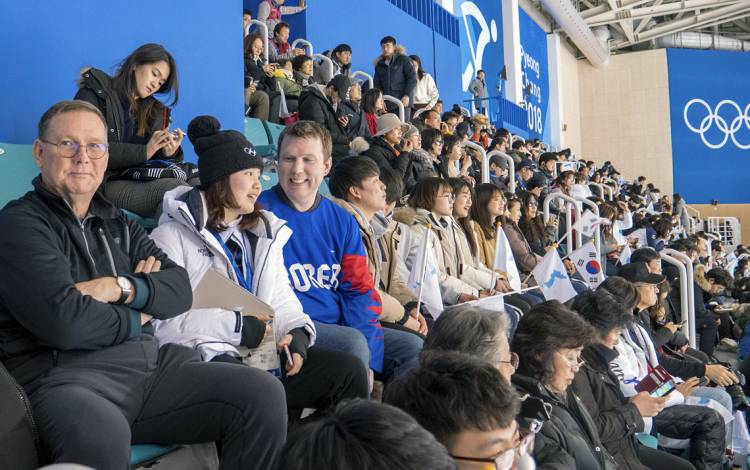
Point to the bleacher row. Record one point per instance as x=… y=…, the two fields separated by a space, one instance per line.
x=17 y=169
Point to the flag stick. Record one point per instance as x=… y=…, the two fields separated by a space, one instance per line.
x=423 y=267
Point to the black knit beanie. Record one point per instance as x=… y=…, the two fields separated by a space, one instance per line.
x=220 y=153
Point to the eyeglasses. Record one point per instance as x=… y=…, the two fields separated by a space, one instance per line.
x=513 y=360
x=574 y=364
x=69 y=149
x=505 y=460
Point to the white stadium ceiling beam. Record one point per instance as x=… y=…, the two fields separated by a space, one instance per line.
x=709 y=16
x=618 y=15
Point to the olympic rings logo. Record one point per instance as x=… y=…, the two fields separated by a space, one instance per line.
x=712 y=117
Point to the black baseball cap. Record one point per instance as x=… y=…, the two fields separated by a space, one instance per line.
x=536 y=181
x=637 y=273
x=525 y=163
x=547 y=156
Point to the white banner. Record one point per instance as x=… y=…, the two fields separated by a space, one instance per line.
x=504 y=260
x=423 y=278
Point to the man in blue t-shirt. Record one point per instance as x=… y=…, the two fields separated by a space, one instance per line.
x=325 y=257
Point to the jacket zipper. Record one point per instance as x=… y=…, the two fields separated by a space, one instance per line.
x=27 y=406
x=109 y=251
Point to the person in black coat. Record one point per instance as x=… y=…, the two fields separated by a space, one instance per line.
x=320 y=106
x=549 y=340
x=260 y=86
x=395 y=75
x=137 y=123
x=617 y=418
x=384 y=148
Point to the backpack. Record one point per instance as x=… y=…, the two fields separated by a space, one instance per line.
x=19 y=443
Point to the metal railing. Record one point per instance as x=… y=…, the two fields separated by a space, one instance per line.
x=569 y=203
x=485 y=160
x=360 y=73
x=687 y=266
x=304 y=43
x=728 y=228
x=264 y=30
x=511 y=168
x=600 y=187
x=397 y=102
x=328 y=61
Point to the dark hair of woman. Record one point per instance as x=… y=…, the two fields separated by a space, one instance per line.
x=420 y=71
x=429 y=136
x=449 y=142
x=425 y=193
x=370 y=100
x=623 y=290
x=146 y=110
x=509 y=204
x=546 y=329
x=532 y=229
x=602 y=310
x=483 y=194
x=248 y=43
x=218 y=196
x=457 y=185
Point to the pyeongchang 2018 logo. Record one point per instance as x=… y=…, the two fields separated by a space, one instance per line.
x=717 y=125
x=487 y=34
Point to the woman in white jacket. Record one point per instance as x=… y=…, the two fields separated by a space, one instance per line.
x=218 y=226
x=426 y=92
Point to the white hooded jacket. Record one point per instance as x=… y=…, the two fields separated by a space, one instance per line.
x=183 y=236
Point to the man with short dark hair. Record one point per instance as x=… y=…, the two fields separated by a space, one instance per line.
x=325 y=257
x=82 y=345
x=431 y=119
x=341 y=59
x=395 y=75
x=355 y=183
x=466 y=404
x=524 y=172
x=478 y=90
x=364 y=435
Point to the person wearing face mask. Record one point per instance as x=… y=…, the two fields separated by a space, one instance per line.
x=138 y=127
x=219 y=225
x=473 y=415
x=617 y=418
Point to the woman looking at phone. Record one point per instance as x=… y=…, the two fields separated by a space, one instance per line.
x=138 y=126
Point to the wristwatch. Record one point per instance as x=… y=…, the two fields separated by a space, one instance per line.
x=126 y=287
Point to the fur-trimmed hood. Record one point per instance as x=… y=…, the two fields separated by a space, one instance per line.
x=400 y=49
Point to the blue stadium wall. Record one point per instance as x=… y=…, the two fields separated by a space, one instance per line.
x=709 y=95
x=46 y=43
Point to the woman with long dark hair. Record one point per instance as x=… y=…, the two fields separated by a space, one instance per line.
x=426 y=92
x=259 y=81
x=138 y=127
x=540 y=235
x=373 y=106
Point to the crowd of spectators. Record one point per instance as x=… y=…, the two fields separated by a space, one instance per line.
x=353 y=369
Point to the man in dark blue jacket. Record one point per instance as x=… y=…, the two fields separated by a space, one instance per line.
x=80 y=286
x=395 y=75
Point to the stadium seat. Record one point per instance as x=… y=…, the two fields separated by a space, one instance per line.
x=17 y=169
x=141 y=455
x=647 y=440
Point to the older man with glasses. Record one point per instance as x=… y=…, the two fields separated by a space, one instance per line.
x=80 y=286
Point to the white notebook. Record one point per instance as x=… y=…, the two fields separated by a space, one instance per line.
x=216 y=291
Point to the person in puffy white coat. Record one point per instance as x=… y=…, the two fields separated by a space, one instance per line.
x=219 y=226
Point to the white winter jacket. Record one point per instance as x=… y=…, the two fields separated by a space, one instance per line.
x=183 y=236
x=426 y=92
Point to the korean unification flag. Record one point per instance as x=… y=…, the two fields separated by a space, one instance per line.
x=552 y=278
x=588 y=223
x=587 y=264
x=423 y=278
x=504 y=260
